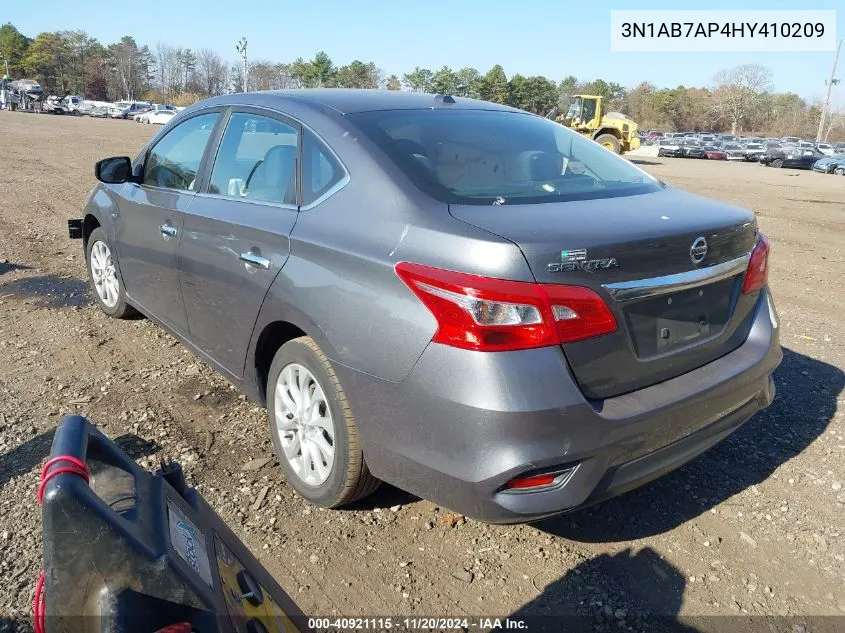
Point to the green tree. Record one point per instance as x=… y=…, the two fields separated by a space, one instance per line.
x=445 y=81
x=319 y=72
x=393 y=83
x=534 y=94
x=566 y=88
x=494 y=85
x=612 y=92
x=49 y=59
x=13 y=48
x=357 y=74
x=468 y=83
x=419 y=80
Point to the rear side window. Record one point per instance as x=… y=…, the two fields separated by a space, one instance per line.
x=499 y=157
x=256 y=160
x=174 y=161
x=320 y=169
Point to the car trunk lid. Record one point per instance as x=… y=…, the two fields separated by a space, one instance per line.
x=677 y=307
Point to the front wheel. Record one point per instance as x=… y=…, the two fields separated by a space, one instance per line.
x=609 y=142
x=313 y=430
x=105 y=281
x=777 y=163
x=839 y=171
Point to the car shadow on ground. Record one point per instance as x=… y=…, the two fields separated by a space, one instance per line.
x=48 y=291
x=640 y=161
x=610 y=592
x=386 y=496
x=807 y=392
x=32 y=453
x=8 y=267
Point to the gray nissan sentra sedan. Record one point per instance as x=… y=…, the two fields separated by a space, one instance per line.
x=467 y=301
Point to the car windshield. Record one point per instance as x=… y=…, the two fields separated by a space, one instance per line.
x=496 y=157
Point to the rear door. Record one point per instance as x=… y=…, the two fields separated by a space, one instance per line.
x=151 y=214
x=236 y=236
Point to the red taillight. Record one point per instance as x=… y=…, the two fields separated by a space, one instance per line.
x=757 y=273
x=485 y=314
x=535 y=481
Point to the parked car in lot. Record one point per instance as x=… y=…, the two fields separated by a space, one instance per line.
x=692 y=149
x=793 y=157
x=752 y=152
x=158 y=117
x=156 y=107
x=715 y=153
x=830 y=165
x=127 y=109
x=418 y=287
x=826 y=148
x=73 y=104
x=668 y=146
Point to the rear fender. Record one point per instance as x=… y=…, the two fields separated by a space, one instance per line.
x=276 y=308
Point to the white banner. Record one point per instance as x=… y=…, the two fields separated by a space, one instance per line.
x=704 y=30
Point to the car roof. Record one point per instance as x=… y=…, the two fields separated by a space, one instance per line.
x=346 y=101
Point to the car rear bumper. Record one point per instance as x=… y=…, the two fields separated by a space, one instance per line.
x=464 y=423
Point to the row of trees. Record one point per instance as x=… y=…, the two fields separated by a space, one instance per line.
x=740 y=99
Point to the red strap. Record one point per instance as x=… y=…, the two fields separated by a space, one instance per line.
x=77 y=467
x=38 y=605
x=178 y=627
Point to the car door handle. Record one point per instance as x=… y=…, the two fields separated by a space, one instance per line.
x=168 y=230
x=254 y=260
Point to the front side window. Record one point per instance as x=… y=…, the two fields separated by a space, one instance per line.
x=174 y=161
x=487 y=157
x=256 y=160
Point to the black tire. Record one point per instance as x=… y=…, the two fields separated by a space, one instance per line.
x=121 y=309
x=777 y=163
x=349 y=479
x=839 y=171
x=660 y=153
x=610 y=142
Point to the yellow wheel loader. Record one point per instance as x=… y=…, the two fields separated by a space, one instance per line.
x=613 y=130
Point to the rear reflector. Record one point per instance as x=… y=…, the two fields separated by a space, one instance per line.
x=757 y=273
x=486 y=314
x=537 y=481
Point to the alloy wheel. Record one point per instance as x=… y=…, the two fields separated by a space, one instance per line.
x=304 y=424
x=104 y=274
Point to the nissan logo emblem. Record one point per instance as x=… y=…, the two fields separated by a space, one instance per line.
x=698 y=250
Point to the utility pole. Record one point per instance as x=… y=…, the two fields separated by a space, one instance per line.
x=7 y=62
x=830 y=84
x=241 y=48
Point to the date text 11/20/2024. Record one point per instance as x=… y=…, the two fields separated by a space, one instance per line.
x=416 y=624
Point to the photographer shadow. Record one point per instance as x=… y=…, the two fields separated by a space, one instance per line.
x=627 y=590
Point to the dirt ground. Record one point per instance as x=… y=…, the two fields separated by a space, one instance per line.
x=755 y=526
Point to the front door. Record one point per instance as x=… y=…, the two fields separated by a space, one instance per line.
x=235 y=238
x=151 y=215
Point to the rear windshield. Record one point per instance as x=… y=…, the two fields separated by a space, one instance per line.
x=490 y=157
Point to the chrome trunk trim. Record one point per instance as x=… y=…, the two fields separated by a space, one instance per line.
x=654 y=286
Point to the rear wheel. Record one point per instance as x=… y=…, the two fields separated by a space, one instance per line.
x=608 y=141
x=313 y=430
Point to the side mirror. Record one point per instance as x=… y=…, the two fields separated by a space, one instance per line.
x=114 y=170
